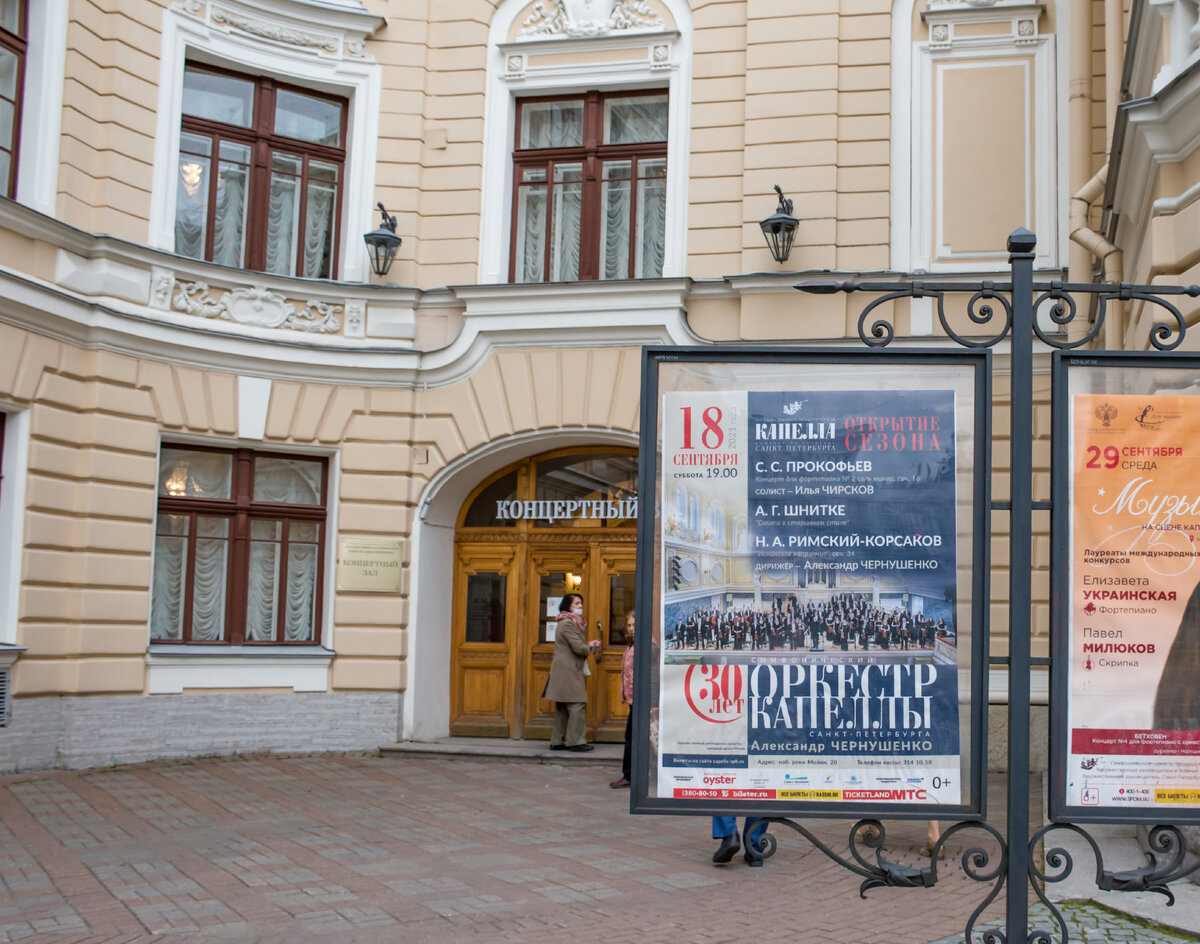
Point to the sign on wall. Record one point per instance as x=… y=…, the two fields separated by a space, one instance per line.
x=1126 y=733
x=815 y=591
x=370 y=565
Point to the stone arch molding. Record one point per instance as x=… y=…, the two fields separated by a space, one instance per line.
x=521 y=33
x=426 y=701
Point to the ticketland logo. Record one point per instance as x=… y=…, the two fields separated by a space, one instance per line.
x=716 y=693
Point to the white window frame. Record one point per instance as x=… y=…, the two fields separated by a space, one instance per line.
x=670 y=71
x=14 y=466
x=41 y=106
x=912 y=208
x=172 y=668
x=186 y=37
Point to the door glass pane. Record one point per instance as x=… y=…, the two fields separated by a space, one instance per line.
x=652 y=218
x=485 y=509
x=551 y=124
x=224 y=98
x=208 y=585
x=191 y=195
x=487 y=594
x=263 y=581
x=553 y=586
x=170 y=572
x=281 y=480
x=184 y=473
x=233 y=174
x=635 y=120
x=283 y=213
x=308 y=118
x=319 y=215
x=620 y=604
x=531 y=234
x=592 y=480
x=614 y=220
x=564 y=250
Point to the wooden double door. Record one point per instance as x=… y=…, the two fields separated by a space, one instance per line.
x=506 y=594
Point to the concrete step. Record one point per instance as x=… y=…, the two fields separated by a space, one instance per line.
x=535 y=752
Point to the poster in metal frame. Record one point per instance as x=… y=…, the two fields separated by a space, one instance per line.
x=892 y=624
x=1124 y=738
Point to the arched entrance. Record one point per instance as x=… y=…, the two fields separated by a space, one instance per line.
x=560 y=522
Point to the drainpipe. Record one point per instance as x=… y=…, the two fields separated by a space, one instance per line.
x=1100 y=248
x=1079 y=113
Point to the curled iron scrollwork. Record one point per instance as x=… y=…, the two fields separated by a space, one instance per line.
x=868 y=859
x=1164 y=864
x=1062 y=312
x=980 y=314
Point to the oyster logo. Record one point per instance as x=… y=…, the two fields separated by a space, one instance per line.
x=793 y=408
x=1106 y=413
x=715 y=693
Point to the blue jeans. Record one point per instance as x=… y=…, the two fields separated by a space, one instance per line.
x=723 y=826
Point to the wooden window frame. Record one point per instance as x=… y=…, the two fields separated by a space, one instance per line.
x=263 y=141
x=18 y=44
x=241 y=510
x=592 y=154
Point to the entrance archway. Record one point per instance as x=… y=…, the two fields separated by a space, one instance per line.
x=558 y=522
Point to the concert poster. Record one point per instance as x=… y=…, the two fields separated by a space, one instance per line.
x=1133 y=615
x=814 y=641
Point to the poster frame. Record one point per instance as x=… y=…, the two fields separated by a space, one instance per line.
x=1062 y=471
x=979 y=360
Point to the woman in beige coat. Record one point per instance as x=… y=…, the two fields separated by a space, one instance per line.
x=567 y=684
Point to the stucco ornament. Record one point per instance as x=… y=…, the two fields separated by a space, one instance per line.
x=588 y=17
x=257 y=306
x=274 y=31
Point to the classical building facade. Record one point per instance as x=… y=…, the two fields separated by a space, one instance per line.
x=255 y=497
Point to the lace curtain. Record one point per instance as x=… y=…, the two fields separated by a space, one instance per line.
x=614 y=225
x=531 y=234
x=652 y=219
x=262 y=615
x=318 y=230
x=191 y=196
x=300 y=597
x=283 y=215
x=229 y=224
x=187 y=474
x=287 y=481
x=635 y=120
x=170 y=568
x=564 y=228
x=208 y=584
x=551 y=124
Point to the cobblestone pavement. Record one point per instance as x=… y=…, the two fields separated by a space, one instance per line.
x=413 y=850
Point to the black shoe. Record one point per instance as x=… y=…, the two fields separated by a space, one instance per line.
x=727 y=849
x=558 y=747
x=580 y=748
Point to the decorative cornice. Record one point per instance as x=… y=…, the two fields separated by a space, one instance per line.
x=274 y=31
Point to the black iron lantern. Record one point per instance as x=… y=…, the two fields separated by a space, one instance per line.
x=382 y=243
x=780 y=228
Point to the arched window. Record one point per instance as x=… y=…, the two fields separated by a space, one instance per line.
x=563 y=94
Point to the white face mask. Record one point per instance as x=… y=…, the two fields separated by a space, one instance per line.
x=577 y=608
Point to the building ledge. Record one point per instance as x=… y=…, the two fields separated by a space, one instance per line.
x=174 y=669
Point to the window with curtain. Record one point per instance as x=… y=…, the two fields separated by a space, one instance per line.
x=14 y=19
x=260 y=174
x=238 y=548
x=590 y=184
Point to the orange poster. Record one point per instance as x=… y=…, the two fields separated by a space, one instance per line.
x=1134 y=637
